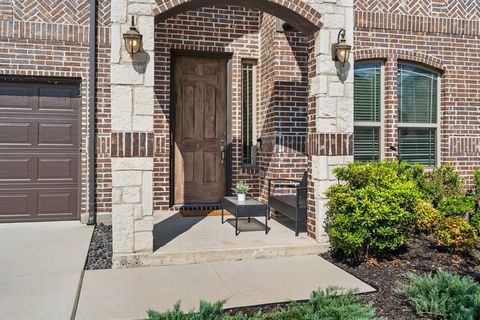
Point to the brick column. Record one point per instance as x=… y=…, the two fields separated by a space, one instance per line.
x=132 y=133
x=331 y=106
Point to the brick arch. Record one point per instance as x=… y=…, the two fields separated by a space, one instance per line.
x=296 y=12
x=400 y=54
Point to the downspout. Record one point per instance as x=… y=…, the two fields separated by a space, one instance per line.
x=91 y=112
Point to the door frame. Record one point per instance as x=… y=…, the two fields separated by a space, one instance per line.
x=227 y=56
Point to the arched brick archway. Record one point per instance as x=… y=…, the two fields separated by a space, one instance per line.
x=296 y=12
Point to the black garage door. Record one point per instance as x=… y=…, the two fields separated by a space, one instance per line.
x=39 y=149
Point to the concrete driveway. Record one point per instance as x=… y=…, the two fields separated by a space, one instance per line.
x=41 y=266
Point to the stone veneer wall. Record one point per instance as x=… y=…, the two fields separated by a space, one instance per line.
x=442 y=35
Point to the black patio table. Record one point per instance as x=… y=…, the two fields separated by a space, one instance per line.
x=245 y=209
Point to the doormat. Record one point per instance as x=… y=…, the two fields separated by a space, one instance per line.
x=202 y=213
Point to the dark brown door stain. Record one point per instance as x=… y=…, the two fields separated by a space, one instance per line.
x=200 y=128
x=39 y=151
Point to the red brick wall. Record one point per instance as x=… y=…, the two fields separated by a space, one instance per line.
x=443 y=35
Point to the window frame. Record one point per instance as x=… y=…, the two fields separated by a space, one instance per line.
x=254 y=63
x=437 y=125
x=380 y=124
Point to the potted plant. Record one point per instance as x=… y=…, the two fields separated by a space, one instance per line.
x=241 y=189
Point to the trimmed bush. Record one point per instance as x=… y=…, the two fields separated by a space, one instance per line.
x=456 y=206
x=442 y=296
x=475 y=221
x=427 y=217
x=456 y=234
x=476 y=180
x=329 y=304
x=372 y=210
x=440 y=183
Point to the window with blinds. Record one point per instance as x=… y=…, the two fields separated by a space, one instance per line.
x=367 y=110
x=417 y=114
x=248 y=113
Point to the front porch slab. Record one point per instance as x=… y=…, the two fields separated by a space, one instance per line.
x=189 y=240
x=128 y=293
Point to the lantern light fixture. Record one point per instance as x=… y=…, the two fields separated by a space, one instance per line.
x=341 y=50
x=133 y=39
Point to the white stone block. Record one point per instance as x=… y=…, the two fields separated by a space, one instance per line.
x=117 y=195
x=319 y=168
x=126 y=178
x=121 y=108
x=144 y=224
x=349 y=90
x=144 y=241
x=137 y=211
x=319 y=85
x=143 y=101
x=140 y=9
x=147 y=193
x=132 y=164
x=335 y=89
x=116 y=36
x=345 y=3
x=122 y=228
x=145 y=25
x=325 y=65
x=125 y=74
x=326 y=107
x=326 y=125
x=349 y=25
x=149 y=80
x=131 y=195
x=322 y=43
x=333 y=21
x=344 y=115
x=118 y=11
x=143 y=123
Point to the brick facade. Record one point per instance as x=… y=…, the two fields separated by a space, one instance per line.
x=444 y=36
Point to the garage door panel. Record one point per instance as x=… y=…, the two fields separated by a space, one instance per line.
x=16 y=204
x=15 y=169
x=60 y=169
x=39 y=150
x=57 y=203
x=17 y=97
x=14 y=132
x=61 y=133
x=58 y=99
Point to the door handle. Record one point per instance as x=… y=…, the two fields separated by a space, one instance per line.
x=222 y=147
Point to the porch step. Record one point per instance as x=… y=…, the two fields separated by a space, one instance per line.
x=179 y=240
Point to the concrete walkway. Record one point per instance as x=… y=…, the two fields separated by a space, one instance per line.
x=128 y=293
x=40 y=268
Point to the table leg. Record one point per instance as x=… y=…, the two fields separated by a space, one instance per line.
x=266 y=224
x=248 y=219
x=222 y=215
x=236 y=226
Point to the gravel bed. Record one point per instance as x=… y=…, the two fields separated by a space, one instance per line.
x=100 y=250
x=422 y=255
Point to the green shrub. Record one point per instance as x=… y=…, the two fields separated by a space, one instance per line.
x=439 y=183
x=372 y=210
x=442 y=296
x=456 y=234
x=475 y=221
x=456 y=206
x=427 y=217
x=476 y=181
x=207 y=311
x=329 y=304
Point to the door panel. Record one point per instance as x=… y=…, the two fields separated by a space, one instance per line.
x=200 y=124
x=39 y=151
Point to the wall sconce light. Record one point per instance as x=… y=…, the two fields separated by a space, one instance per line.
x=341 y=50
x=133 y=39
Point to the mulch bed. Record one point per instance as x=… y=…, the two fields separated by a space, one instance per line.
x=100 y=250
x=422 y=255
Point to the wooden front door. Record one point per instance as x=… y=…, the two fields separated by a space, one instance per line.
x=200 y=130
